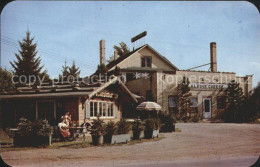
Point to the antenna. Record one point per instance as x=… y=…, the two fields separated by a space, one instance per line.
x=137 y=37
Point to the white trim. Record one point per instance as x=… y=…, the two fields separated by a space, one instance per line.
x=98 y=109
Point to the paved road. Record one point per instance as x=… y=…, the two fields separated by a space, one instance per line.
x=199 y=144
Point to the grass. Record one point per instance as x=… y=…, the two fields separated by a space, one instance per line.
x=76 y=144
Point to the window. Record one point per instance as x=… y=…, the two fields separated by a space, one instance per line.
x=221 y=102
x=173 y=103
x=194 y=102
x=102 y=108
x=146 y=62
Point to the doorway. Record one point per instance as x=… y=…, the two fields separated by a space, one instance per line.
x=206 y=108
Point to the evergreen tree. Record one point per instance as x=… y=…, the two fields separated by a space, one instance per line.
x=251 y=106
x=101 y=69
x=184 y=102
x=6 y=83
x=64 y=72
x=74 y=71
x=27 y=61
x=235 y=99
x=67 y=71
x=122 y=49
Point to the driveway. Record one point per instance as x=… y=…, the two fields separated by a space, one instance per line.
x=198 y=144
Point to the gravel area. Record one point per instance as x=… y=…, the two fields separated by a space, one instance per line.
x=197 y=142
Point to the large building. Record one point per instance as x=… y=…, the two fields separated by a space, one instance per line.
x=145 y=75
x=149 y=74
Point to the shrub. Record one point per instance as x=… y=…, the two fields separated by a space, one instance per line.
x=32 y=134
x=123 y=127
x=137 y=128
x=24 y=127
x=98 y=127
x=168 y=122
x=42 y=128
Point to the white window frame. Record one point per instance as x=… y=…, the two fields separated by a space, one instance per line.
x=100 y=103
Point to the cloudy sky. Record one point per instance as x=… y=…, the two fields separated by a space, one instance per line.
x=181 y=31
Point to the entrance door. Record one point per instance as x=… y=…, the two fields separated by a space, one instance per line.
x=207 y=108
x=46 y=110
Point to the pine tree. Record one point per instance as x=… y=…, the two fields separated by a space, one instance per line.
x=74 y=71
x=70 y=73
x=64 y=72
x=28 y=63
x=235 y=99
x=184 y=103
x=122 y=49
x=101 y=69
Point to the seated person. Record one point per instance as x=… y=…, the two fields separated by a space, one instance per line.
x=63 y=128
x=67 y=118
x=86 y=125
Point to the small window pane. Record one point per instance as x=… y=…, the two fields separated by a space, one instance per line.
x=173 y=101
x=91 y=109
x=143 y=62
x=194 y=102
x=95 y=109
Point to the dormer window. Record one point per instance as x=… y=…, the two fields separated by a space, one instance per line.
x=146 y=62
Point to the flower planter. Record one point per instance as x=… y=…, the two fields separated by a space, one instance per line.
x=151 y=134
x=31 y=140
x=155 y=133
x=97 y=140
x=123 y=138
x=22 y=140
x=138 y=136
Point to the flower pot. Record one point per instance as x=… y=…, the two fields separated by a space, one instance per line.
x=138 y=135
x=155 y=133
x=151 y=134
x=122 y=138
x=97 y=139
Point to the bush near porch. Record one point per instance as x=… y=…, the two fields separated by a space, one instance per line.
x=32 y=133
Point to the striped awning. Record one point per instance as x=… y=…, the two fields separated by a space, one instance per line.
x=149 y=106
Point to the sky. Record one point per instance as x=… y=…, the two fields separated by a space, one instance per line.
x=179 y=30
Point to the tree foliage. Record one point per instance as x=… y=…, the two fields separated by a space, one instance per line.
x=6 y=83
x=122 y=49
x=101 y=69
x=184 y=102
x=235 y=100
x=72 y=71
x=251 y=106
x=27 y=62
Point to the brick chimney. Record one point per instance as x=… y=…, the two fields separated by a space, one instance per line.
x=102 y=52
x=213 y=56
x=115 y=54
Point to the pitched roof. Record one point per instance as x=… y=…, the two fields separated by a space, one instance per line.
x=122 y=58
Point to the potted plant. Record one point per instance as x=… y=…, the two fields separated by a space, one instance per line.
x=111 y=129
x=151 y=128
x=97 y=131
x=138 y=130
x=122 y=135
